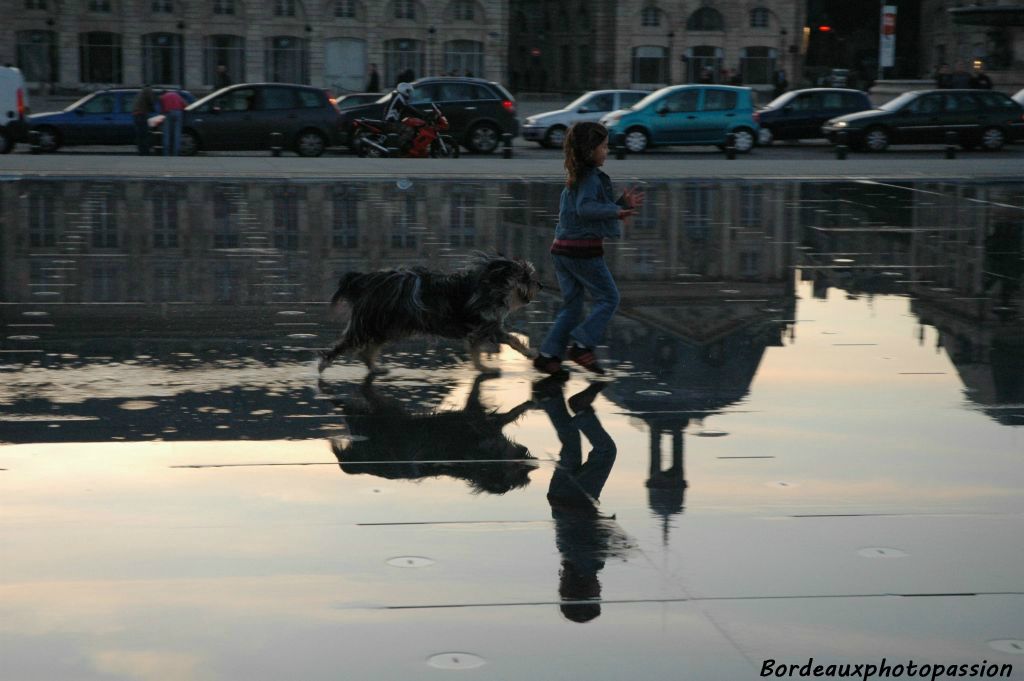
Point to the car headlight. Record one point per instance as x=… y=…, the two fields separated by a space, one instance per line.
x=610 y=120
x=840 y=124
x=531 y=121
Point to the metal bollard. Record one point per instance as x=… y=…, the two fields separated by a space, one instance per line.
x=620 y=147
x=951 y=141
x=33 y=142
x=276 y=142
x=841 y=145
x=506 y=140
x=730 y=146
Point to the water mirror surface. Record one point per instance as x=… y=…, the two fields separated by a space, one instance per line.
x=814 y=410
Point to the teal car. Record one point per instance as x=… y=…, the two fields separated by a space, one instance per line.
x=687 y=115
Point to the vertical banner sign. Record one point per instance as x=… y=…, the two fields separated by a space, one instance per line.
x=887 y=42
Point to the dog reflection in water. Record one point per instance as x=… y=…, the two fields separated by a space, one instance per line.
x=585 y=538
x=470 y=304
x=391 y=442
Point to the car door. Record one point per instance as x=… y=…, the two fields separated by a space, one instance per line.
x=829 y=105
x=277 y=110
x=92 y=121
x=625 y=100
x=920 y=121
x=801 y=115
x=717 y=115
x=459 y=102
x=674 y=118
x=226 y=121
x=963 y=115
x=123 y=128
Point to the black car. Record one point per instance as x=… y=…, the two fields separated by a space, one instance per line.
x=800 y=114
x=478 y=111
x=978 y=117
x=243 y=117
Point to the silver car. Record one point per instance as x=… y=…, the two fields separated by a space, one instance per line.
x=548 y=129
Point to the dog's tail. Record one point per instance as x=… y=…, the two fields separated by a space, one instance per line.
x=348 y=288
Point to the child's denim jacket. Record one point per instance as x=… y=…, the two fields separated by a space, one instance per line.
x=589 y=211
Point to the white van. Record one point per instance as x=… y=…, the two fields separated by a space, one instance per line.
x=13 y=108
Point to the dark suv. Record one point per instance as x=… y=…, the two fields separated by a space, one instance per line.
x=243 y=117
x=978 y=117
x=479 y=111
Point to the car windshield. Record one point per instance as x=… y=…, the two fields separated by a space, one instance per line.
x=646 y=101
x=578 y=102
x=199 y=102
x=899 y=102
x=385 y=99
x=80 y=102
x=780 y=100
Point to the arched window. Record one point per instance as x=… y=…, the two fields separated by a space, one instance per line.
x=757 y=64
x=287 y=59
x=37 y=55
x=759 y=17
x=162 y=60
x=650 y=65
x=650 y=16
x=464 y=58
x=705 y=19
x=100 y=57
x=228 y=50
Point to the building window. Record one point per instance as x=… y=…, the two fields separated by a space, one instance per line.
x=751 y=199
x=284 y=8
x=225 y=220
x=704 y=63
x=759 y=17
x=162 y=6
x=464 y=10
x=37 y=56
x=346 y=9
x=42 y=230
x=226 y=283
x=35 y=4
x=345 y=228
x=162 y=61
x=100 y=57
x=228 y=50
x=405 y=9
x=462 y=221
x=464 y=58
x=705 y=19
x=286 y=220
x=697 y=212
x=402 y=235
x=750 y=264
x=102 y=220
x=166 y=287
x=100 y=6
x=224 y=7
x=757 y=64
x=650 y=64
x=650 y=16
x=401 y=56
x=164 y=203
x=105 y=280
x=287 y=59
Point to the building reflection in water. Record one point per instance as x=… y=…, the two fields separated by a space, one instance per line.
x=707 y=274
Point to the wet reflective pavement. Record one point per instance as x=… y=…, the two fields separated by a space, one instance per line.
x=809 y=443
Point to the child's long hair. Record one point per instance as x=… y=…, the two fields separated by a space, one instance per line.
x=580 y=142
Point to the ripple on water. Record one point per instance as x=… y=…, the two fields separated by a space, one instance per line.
x=138 y=405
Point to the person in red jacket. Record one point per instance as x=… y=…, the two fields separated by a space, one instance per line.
x=172 y=105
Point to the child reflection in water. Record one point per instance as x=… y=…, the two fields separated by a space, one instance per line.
x=583 y=536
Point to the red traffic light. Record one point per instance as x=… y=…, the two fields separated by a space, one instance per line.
x=825 y=28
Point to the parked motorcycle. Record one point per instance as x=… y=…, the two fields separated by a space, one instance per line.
x=423 y=137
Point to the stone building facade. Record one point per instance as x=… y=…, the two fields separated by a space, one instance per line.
x=89 y=44
x=566 y=46
x=991 y=33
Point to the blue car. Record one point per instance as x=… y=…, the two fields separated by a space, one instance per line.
x=103 y=117
x=688 y=115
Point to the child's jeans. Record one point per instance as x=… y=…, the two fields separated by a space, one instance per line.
x=576 y=275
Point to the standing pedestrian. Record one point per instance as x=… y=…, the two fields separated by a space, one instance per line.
x=587 y=215
x=142 y=107
x=780 y=82
x=980 y=79
x=960 y=78
x=172 y=105
x=373 y=82
x=221 y=79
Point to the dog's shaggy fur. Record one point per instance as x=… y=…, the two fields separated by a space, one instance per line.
x=470 y=304
x=392 y=442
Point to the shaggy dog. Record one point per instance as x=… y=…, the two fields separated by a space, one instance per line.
x=391 y=442
x=471 y=304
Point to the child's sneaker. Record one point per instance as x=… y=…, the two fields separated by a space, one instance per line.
x=586 y=358
x=552 y=366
